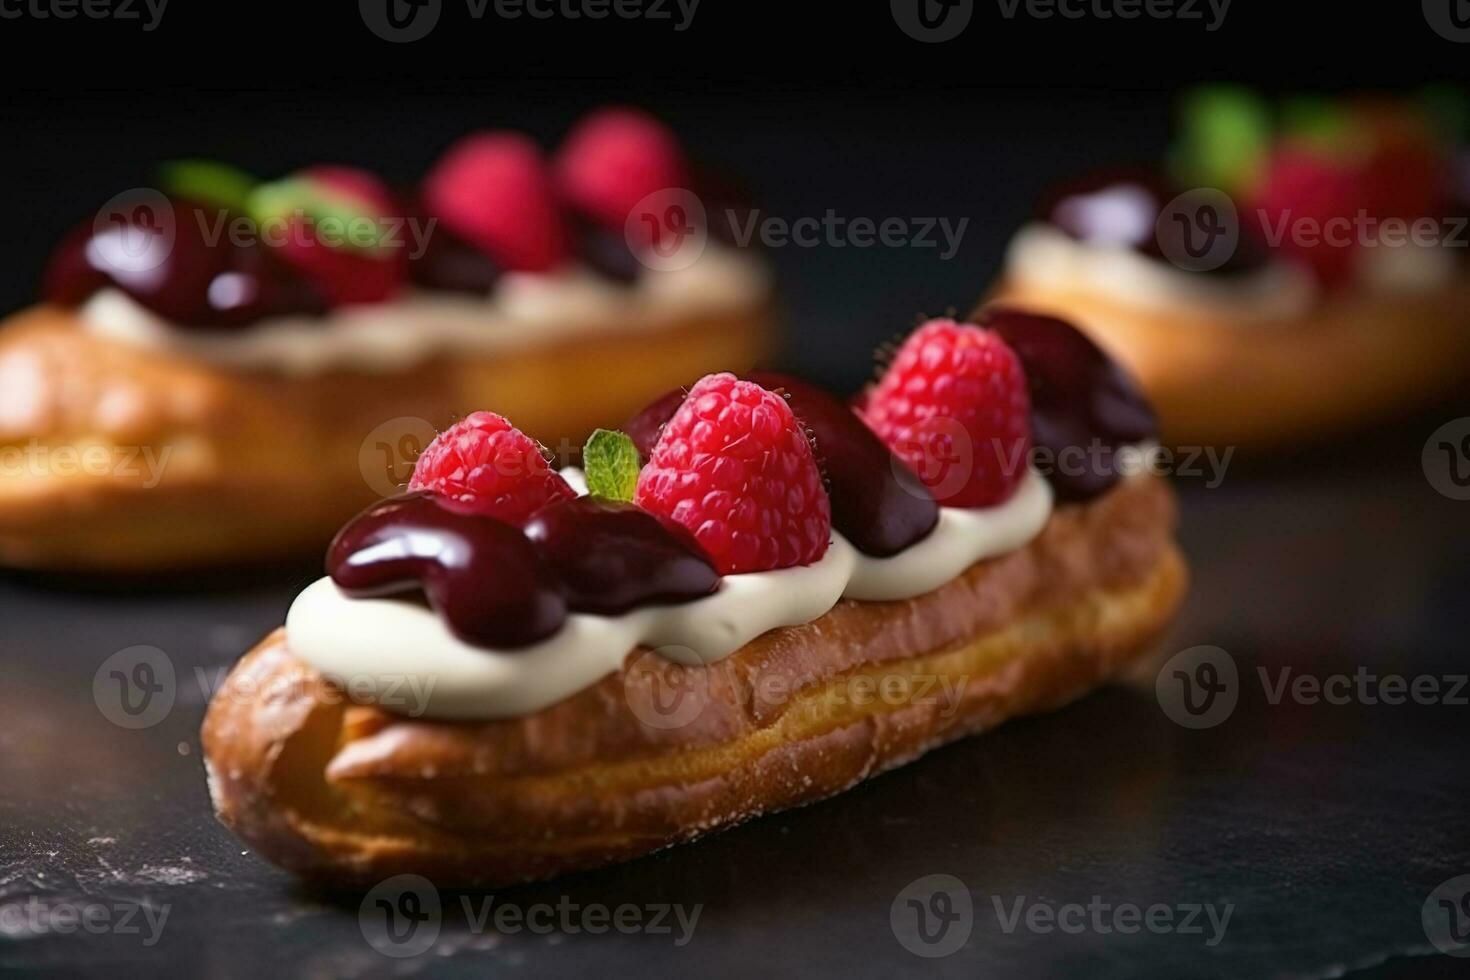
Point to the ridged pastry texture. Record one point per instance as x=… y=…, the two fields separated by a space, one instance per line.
x=122 y=459
x=351 y=793
x=1218 y=379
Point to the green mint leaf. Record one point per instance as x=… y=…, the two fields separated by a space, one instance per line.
x=344 y=219
x=208 y=182
x=1225 y=137
x=611 y=462
x=1317 y=121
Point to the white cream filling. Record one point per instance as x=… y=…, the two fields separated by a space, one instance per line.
x=380 y=648
x=1044 y=257
x=524 y=310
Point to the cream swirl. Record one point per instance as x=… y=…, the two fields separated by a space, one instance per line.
x=376 y=646
x=1041 y=256
x=524 y=310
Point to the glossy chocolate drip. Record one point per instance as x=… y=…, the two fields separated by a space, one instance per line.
x=450 y=264
x=484 y=577
x=1121 y=209
x=1084 y=406
x=611 y=557
x=169 y=264
x=605 y=250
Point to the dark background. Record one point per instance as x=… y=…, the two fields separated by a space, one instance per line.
x=1327 y=827
x=816 y=105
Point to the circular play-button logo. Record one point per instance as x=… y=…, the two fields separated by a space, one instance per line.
x=400 y=21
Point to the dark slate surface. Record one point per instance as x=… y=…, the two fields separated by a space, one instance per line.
x=1324 y=828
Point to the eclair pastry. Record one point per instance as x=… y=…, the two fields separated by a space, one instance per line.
x=1339 y=296
x=765 y=597
x=225 y=370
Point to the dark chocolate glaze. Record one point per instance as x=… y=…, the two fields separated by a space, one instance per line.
x=450 y=264
x=611 y=557
x=483 y=577
x=192 y=281
x=1082 y=401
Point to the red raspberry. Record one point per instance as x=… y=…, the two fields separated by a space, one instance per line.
x=494 y=191
x=490 y=467
x=954 y=406
x=1307 y=202
x=345 y=274
x=615 y=158
x=734 y=466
